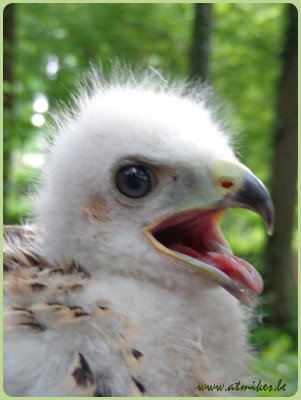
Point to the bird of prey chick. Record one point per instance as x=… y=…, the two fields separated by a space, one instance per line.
x=123 y=285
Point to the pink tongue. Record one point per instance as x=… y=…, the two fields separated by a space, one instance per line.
x=234 y=267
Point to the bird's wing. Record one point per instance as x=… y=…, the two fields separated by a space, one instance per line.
x=62 y=338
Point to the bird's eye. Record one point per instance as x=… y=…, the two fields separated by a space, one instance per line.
x=133 y=181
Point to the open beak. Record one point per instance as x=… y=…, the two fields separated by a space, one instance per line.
x=194 y=238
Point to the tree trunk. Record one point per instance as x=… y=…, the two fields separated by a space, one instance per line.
x=8 y=101
x=200 y=48
x=279 y=258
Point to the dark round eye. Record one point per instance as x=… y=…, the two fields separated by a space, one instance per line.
x=133 y=181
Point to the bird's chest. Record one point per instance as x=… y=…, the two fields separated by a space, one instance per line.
x=117 y=336
x=167 y=343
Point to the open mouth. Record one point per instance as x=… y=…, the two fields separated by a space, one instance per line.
x=195 y=238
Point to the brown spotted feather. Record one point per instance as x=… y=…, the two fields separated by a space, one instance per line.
x=39 y=298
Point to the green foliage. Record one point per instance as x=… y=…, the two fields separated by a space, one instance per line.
x=77 y=34
x=247 y=42
x=276 y=359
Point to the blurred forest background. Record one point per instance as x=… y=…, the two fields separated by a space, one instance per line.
x=247 y=52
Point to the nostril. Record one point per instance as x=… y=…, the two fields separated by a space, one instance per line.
x=227 y=184
x=227 y=175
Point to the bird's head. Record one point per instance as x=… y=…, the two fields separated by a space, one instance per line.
x=136 y=182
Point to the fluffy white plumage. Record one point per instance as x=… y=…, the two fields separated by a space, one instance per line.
x=145 y=319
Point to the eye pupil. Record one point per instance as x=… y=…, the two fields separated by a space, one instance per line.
x=133 y=181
